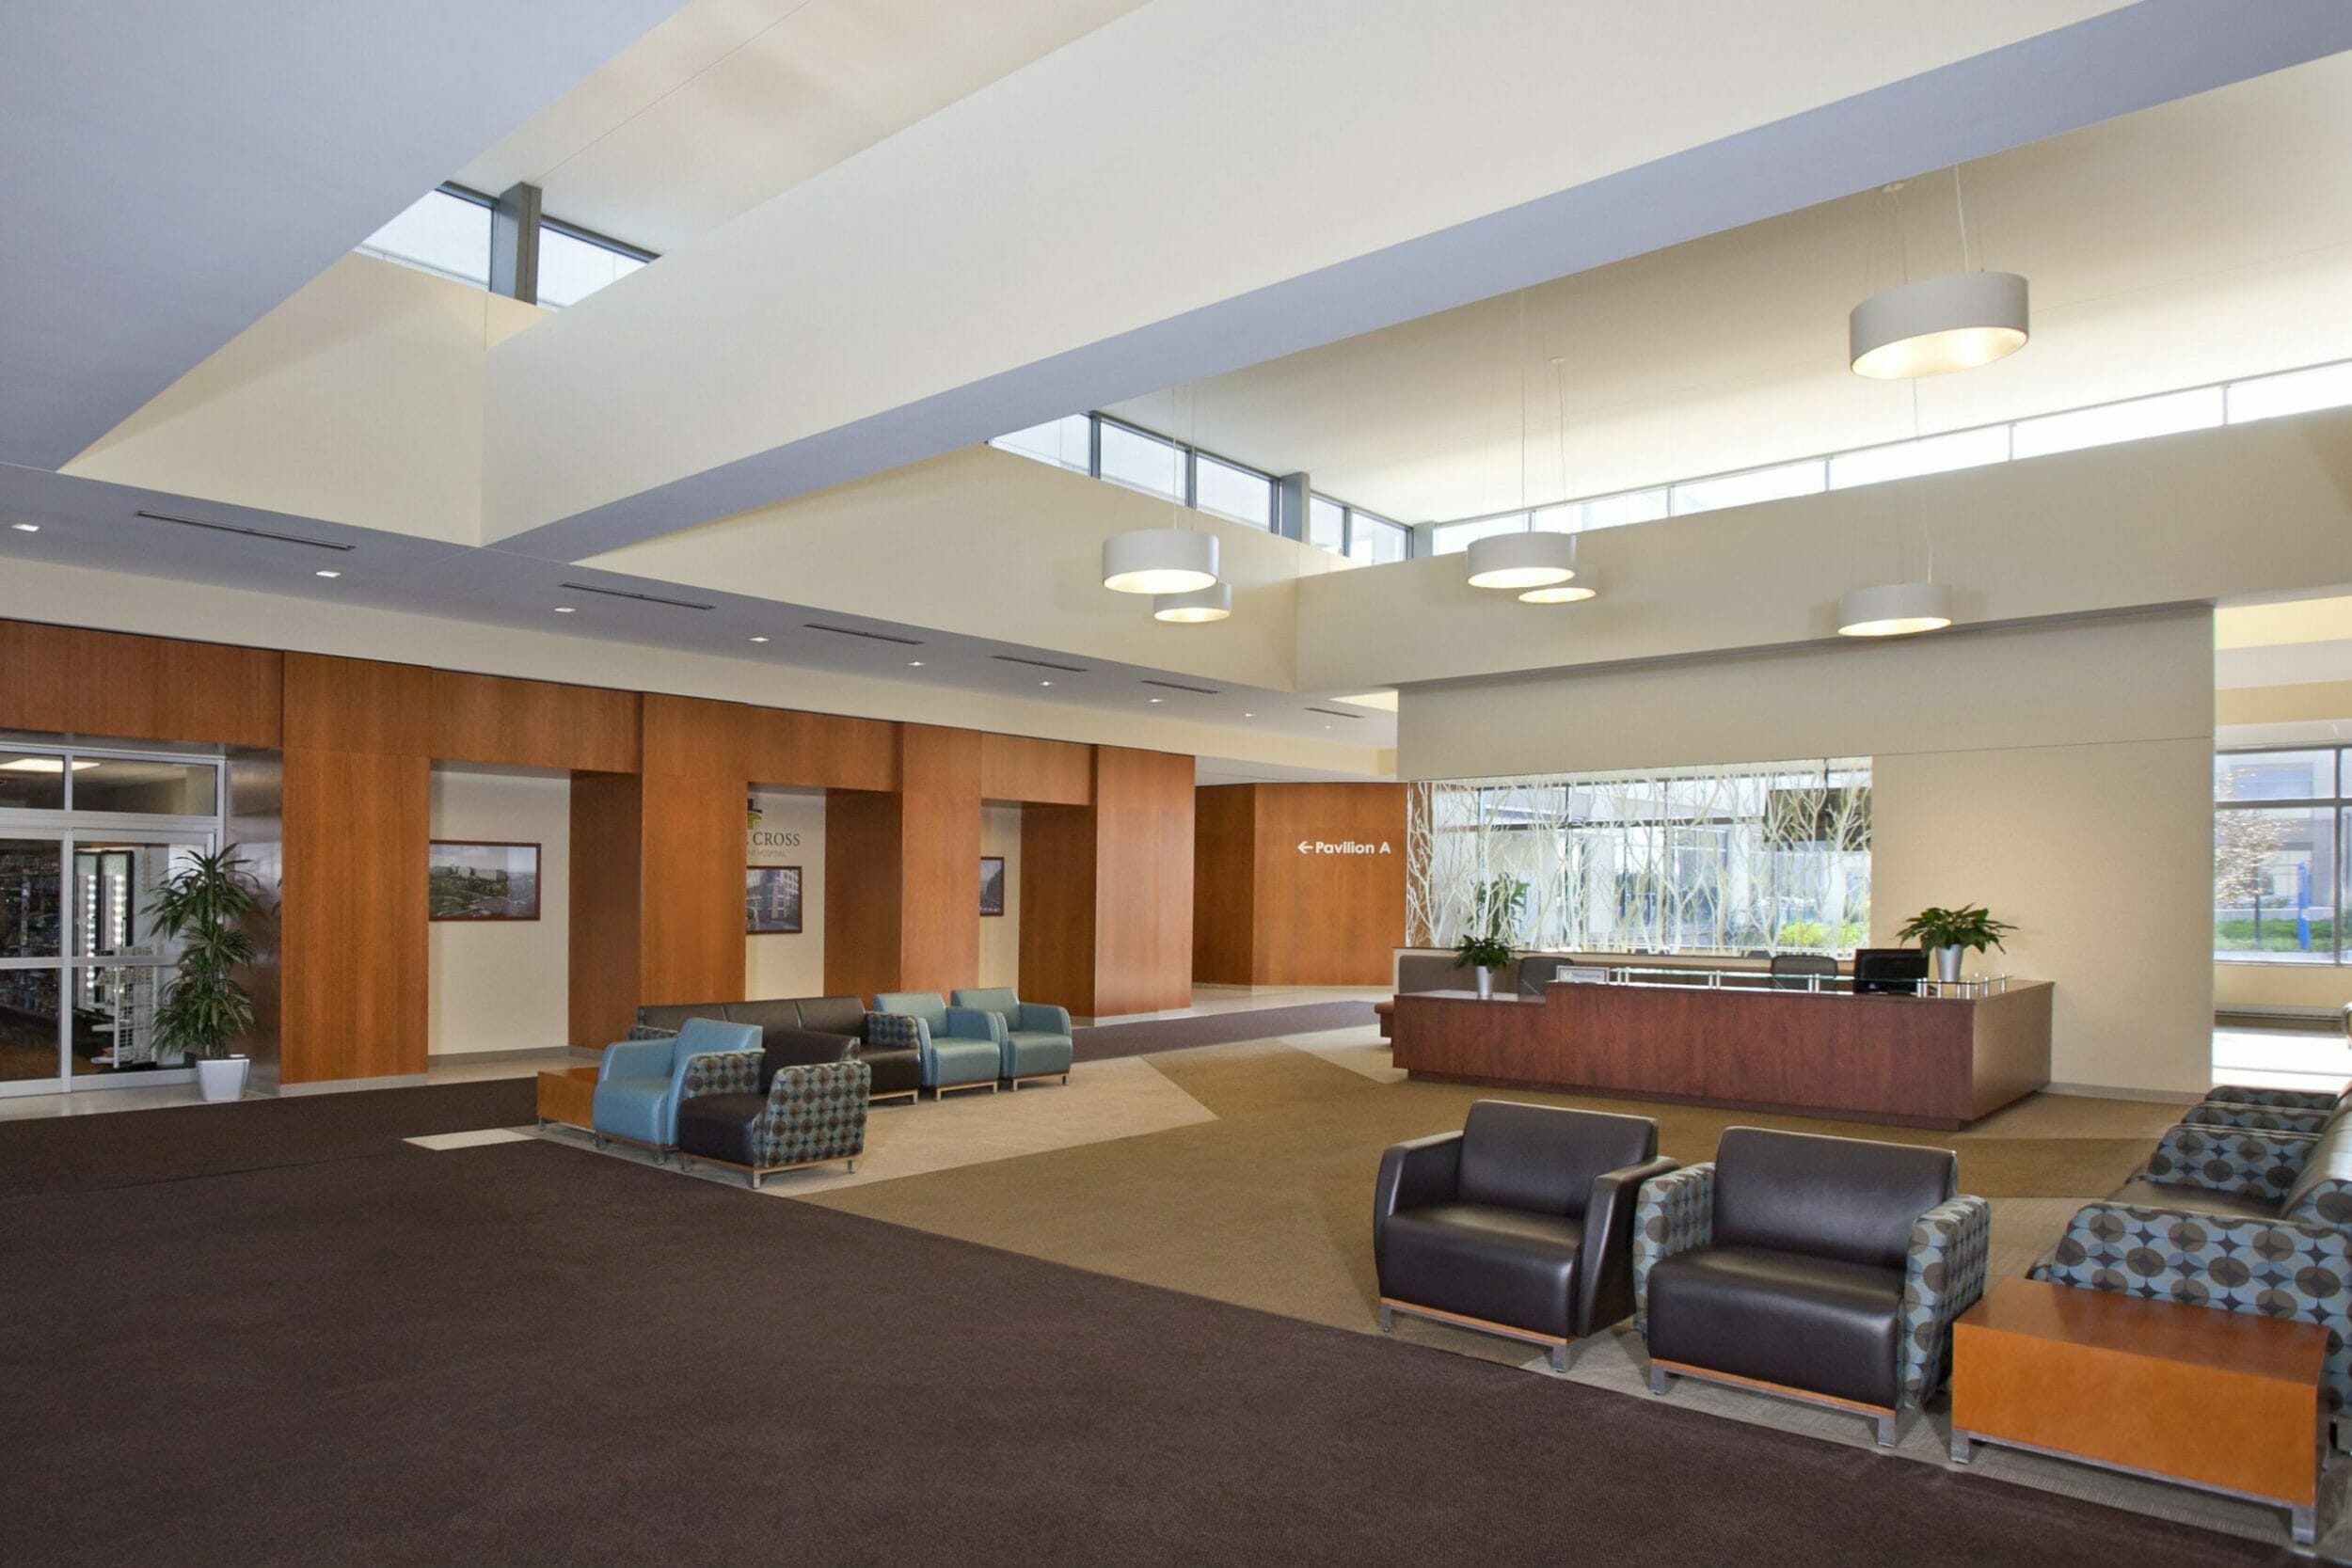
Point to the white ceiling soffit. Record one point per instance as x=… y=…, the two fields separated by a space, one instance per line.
x=174 y=171
x=2202 y=239
x=1065 y=237
x=730 y=102
x=93 y=525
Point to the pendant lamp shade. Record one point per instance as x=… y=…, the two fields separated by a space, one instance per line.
x=1952 y=323
x=1159 y=561
x=1518 y=560
x=1584 y=586
x=1895 y=610
x=1212 y=603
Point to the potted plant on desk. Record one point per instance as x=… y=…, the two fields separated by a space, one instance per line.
x=204 y=1009
x=1948 y=933
x=1486 y=945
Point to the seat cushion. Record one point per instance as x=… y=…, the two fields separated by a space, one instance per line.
x=892 y=1071
x=2197 y=1200
x=1037 y=1051
x=1816 y=1323
x=632 y=1108
x=1502 y=1265
x=1848 y=1198
x=966 y=1061
x=719 y=1125
x=832 y=1014
x=769 y=1016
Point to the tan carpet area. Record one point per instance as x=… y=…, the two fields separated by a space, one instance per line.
x=1269 y=1205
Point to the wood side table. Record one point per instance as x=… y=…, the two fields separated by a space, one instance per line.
x=568 y=1097
x=2221 y=1401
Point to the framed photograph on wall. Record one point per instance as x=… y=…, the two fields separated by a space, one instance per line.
x=991 y=884
x=772 y=900
x=481 y=881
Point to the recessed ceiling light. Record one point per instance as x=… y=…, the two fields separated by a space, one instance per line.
x=565 y=609
x=915 y=664
x=1045 y=683
x=322 y=572
x=759 y=639
x=1157 y=699
x=25 y=527
x=1250 y=716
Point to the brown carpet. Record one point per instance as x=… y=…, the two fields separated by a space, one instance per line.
x=122 y=1148
x=1106 y=1040
x=528 y=1353
x=1270 y=1205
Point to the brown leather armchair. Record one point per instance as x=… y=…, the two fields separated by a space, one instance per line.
x=1520 y=1225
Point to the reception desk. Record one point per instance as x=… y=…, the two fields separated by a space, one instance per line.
x=1921 y=1061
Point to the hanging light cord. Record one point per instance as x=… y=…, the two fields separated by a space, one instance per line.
x=1960 y=206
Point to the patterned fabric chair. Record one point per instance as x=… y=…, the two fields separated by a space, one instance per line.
x=1825 y=1269
x=2261 y=1267
x=638 y=1082
x=2245 y=1174
x=2267 y=1110
x=804 y=1113
x=1037 y=1036
x=961 y=1047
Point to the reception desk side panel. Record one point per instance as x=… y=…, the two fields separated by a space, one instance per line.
x=2012 y=1045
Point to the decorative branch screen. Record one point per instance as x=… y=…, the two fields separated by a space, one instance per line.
x=1740 y=858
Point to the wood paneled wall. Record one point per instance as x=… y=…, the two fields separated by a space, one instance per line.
x=659 y=784
x=1106 y=890
x=1266 y=913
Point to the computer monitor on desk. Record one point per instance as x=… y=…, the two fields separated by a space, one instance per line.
x=1888 y=971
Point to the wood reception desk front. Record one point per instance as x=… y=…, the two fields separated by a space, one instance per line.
x=1922 y=1061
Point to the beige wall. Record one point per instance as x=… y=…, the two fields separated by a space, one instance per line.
x=2061 y=775
x=502 y=985
x=791 y=831
x=1000 y=935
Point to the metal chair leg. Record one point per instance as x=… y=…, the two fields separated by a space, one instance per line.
x=1388 y=1319
x=1887 y=1426
x=852 y=1166
x=1559 y=1359
x=1656 y=1379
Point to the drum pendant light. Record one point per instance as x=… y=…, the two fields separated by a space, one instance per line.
x=1953 y=323
x=1895 y=610
x=1212 y=603
x=1584 y=586
x=1159 y=561
x=1938 y=324
x=1517 y=561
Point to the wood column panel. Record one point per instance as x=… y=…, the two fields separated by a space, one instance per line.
x=351 y=929
x=821 y=750
x=939 y=773
x=522 y=723
x=359 y=705
x=1143 y=854
x=1058 y=881
x=1224 y=890
x=1331 y=913
x=606 y=881
x=691 y=938
x=865 y=839
x=696 y=737
x=67 y=680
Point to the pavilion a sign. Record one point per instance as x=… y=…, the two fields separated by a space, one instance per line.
x=1343 y=847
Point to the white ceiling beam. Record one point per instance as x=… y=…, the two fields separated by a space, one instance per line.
x=1208 y=184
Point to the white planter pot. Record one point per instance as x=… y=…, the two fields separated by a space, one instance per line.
x=1486 y=981
x=221 y=1078
x=1948 y=962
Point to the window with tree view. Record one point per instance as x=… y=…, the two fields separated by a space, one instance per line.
x=2278 y=855
x=1741 y=859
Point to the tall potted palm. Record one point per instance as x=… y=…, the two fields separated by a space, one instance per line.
x=204 y=1009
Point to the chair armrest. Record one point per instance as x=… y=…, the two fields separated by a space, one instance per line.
x=1674 y=1213
x=650 y=1032
x=2222 y=1160
x=709 y=1073
x=814 y=1112
x=1943 y=1277
x=974 y=1024
x=893 y=1031
x=1413 y=1174
x=641 y=1058
x=2285 y=1099
x=1045 y=1017
x=1604 y=1275
x=2257 y=1119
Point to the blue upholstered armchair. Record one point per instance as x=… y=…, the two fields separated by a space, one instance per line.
x=638 y=1082
x=1037 y=1036
x=961 y=1047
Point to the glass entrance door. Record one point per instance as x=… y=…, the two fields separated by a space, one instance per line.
x=120 y=961
x=32 y=954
